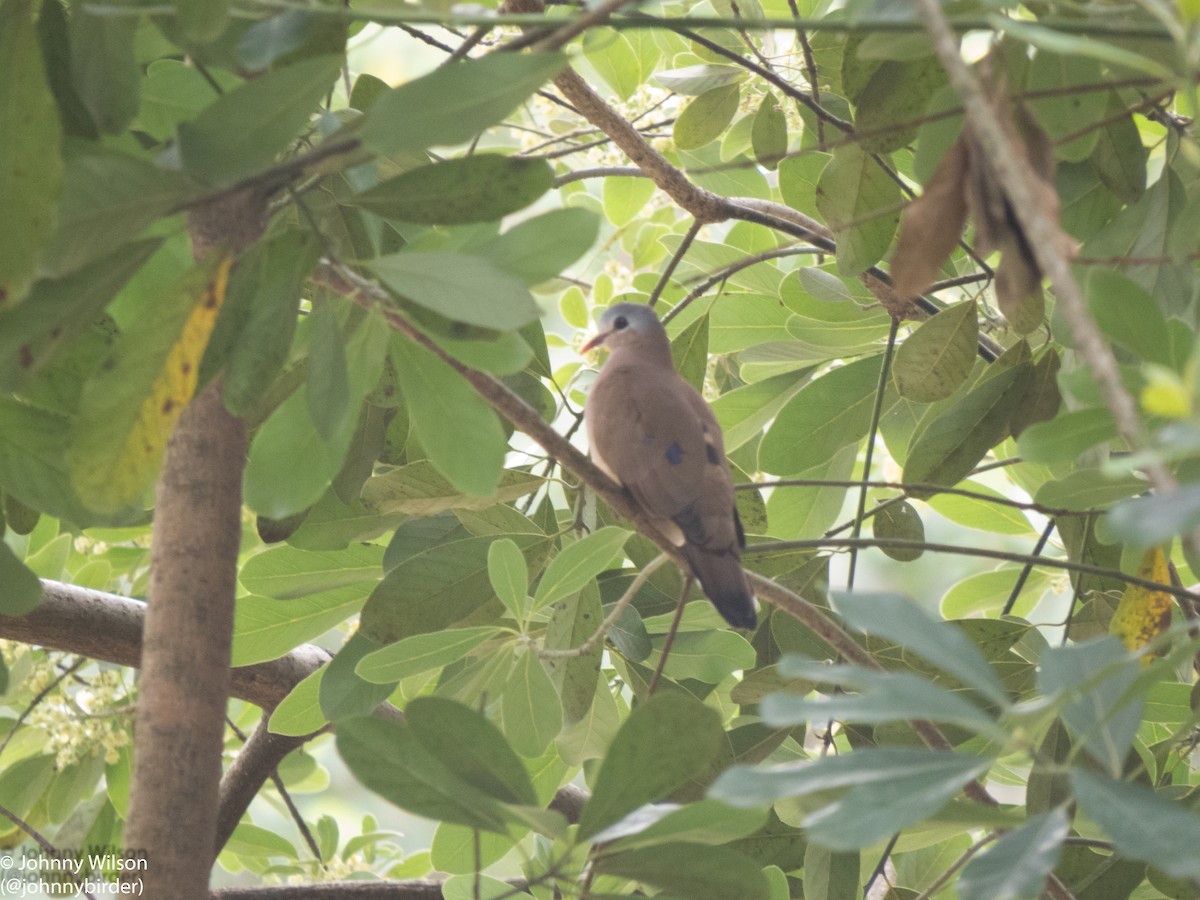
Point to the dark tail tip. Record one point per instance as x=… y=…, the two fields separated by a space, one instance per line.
x=724 y=582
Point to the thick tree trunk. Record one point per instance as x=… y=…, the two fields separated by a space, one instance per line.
x=179 y=729
x=180 y=724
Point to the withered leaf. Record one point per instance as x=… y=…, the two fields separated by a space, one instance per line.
x=931 y=225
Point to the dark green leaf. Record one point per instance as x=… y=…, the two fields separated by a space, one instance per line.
x=327 y=388
x=695 y=871
x=457 y=428
x=1119 y=156
x=22 y=589
x=104 y=66
x=463 y=288
x=481 y=188
x=243 y=131
x=894 y=98
x=388 y=759
x=455 y=102
x=202 y=21
x=1128 y=316
x=862 y=206
x=1141 y=823
x=1062 y=112
x=830 y=875
x=1016 y=866
x=824 y=416
x=58 y=310
x=259 y=318
x=343 y=693
x=899 y=521
x=937 y=358
x=665 y=742
x=471 y=747
x=32 y=464
x=30 y=160
x=952 y=445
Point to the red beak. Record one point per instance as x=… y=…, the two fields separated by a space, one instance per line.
x=593 y=343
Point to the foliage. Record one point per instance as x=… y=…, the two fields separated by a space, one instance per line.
x=973 y=742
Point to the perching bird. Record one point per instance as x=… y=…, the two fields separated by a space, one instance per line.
x=651 y=432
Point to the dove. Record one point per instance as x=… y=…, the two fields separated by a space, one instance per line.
x=652 y=433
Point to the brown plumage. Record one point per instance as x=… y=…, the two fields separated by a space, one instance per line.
x=654 y=434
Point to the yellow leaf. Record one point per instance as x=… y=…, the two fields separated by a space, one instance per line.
x=131 y=404
x=1144 y=613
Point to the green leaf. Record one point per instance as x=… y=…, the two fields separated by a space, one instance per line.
x=578 y=563
x=862 y=206
x=572 y=622
x=242 y=131
x=464 y=288
x=1088 y=489
x=22 y=589
x=290 y=464
x=829 y=875
x=345 y=695
x=471 y=747
x=665 y=742
x=708 y=656
x=327 y=385
x=1128 y=316
x=689 y=352
x=530 y=706
x=509 y=576
x=389 y=759
x=285 y=573
x=1064 y=112
x=825 y=415
x=899 y=619
x=624 y=198
x=30 y=154
x=690 y=81
x=1156 y=519
x=937 y=358
x=421 y=653
x=702 y=822
x=418 y=489
x=884 y=697
x=1119 y=157
x=893 y=99
x=1016 y=865
x=457 y=428
x=299 y=713
x=899 y=521
x=435 y=588
x=481 y=188
x=538 y=249
x=744 y=411
x=953 y=443
x=769 y=136
x=1066 y=436
x=704 y=118
x=1141 y=823
x=1094 y=678
x=456 y=101
x=264 y=293
x=202 y=21
x=266 y=629
x=104 y=66
x=478 y=887
x=695 y=871
x=799 y=513
x=32 y=333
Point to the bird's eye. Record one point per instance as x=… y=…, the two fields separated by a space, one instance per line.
x=619 y=323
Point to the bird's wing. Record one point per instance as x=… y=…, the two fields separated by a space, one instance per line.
x=658 y=437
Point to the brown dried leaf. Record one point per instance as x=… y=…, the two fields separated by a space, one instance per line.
x=931 y=225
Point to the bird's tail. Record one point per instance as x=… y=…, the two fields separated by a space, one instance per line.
x=720 y=575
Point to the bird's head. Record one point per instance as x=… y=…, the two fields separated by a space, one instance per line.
x=626 y=324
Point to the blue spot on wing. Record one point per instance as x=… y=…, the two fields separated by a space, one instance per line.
x=674 y=454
